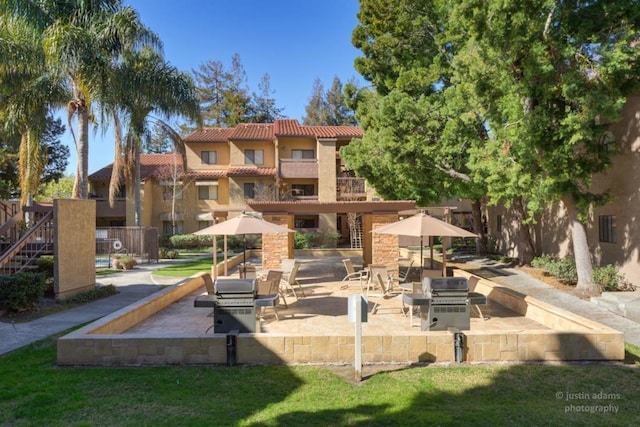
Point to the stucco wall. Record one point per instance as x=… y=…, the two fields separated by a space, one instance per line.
x=74 y=246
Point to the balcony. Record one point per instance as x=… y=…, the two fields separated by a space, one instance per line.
x=351 y=189
x=103 y=210
x=299 y=168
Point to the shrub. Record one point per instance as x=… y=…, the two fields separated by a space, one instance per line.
x=45 y=265
x=124 y=262
x=564 y=269
x=609 y=279
x=93 y=294
x=21 y=291
x=316 y=240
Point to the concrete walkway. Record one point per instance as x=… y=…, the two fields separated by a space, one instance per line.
x=137 y=284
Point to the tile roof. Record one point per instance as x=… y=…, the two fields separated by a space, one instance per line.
x=150 y=165
x=251 y=171
x=269 y=131
x=210 y=135
x=253 y=132
x=198 y=174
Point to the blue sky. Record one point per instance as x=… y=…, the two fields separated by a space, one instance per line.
x=294 y=41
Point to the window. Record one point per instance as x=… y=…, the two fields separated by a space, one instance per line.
x=204 y=224
x=306 y=221
x=207 y=192
x=499 y=223
x=167 y=228
x=208 y=157
x=249 y=190
x=303 y=154
x=253 y=157
x=607 y=232
x=303 y=189
x=168 y=191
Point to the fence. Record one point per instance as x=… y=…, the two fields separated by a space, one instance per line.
x=139 y=242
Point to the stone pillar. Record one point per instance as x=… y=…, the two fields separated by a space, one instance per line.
x=385 y=246
x=275 y=246
x=74 y=246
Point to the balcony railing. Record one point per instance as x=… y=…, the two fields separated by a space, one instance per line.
x=351 y=188
x=103 y=210
x=299 y=168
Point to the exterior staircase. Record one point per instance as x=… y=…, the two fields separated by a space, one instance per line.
x=31 y=245
x=355 y=232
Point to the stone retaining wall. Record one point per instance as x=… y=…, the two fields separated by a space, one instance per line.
x=105 y=343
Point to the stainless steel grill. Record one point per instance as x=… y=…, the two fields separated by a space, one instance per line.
x=449 y=304
x=234 y=307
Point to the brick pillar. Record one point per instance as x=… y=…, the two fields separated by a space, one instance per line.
x=275 y=246
x=385 y=246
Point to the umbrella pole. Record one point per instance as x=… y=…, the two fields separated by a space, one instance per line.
x=421 y=257
x=226 y=252
x=244 y=255
x=215 y=257
x=431 y=250
x=444 y=258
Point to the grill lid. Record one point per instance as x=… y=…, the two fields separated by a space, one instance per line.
x=445 y=285
x=235 y=286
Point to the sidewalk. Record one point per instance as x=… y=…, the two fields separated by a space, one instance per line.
x=515 y=279
x=132 y=286
x=137 y=284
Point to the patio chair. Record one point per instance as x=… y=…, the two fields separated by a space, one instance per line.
x=267 y=296
x=353 y=274
x=290 y=280
x=276 y=276
x=403 y=276
x=374 y=270
x=383 y=294
x=287 y=264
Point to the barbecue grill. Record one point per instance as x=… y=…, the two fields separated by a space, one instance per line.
x=449 y=304
x=234 y=307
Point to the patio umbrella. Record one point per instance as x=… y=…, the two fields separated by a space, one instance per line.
x=423 y=225
x=241 y=225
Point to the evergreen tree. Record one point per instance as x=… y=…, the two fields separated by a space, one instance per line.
x=329 y=108
x=316 y=106
x=263 y=107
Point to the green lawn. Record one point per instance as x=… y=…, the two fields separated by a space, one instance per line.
x=187 y=268
x=33 y=391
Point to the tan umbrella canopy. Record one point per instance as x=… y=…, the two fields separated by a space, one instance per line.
x=241 y=225
x=423 y=225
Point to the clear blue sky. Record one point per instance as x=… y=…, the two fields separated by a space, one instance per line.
x=294 y=41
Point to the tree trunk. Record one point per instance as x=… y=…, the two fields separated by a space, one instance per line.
x=481 y=241
x=81 y=185
x=136 y=189
x=585 y=287
x=526 y=250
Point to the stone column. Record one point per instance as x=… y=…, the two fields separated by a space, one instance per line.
x=275 y=246
x=385 y=246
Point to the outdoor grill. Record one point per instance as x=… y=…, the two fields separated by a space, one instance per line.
x=449 y=304
x=234 y=307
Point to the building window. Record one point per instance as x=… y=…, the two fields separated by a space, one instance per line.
x=306 y=221
x=607 y=231
x=204 y=224
x=168 y=192
x=303 y=189
x=207 y=192
x=253 y=157
x=499 y=223
x=208 y=157
x=249 y=190
x=303 y=154
x=167 y=228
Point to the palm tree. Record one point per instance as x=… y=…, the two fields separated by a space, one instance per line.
x=81 y=40
x=27 y=95
x=142 y=83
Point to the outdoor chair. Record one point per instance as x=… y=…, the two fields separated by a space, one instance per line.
x=403 y=276
x=287 y=264
x=382 y=295
x=374 y=270
x=267 y=296
x=353 y=274
x=276 y=276
x=290 y=280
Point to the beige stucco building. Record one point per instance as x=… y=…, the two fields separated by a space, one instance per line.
x=613 y=232
x=228 y=167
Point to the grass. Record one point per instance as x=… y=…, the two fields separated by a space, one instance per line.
x=33 y=391
x=187 y=268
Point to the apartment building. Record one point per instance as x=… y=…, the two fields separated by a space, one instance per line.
x=228 y=167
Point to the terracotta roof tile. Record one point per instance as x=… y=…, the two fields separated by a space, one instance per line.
x=207 y=174
x=249 y=171
x=337 y=131
x=253 y=132
x=210 y=135
x=150 y=165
